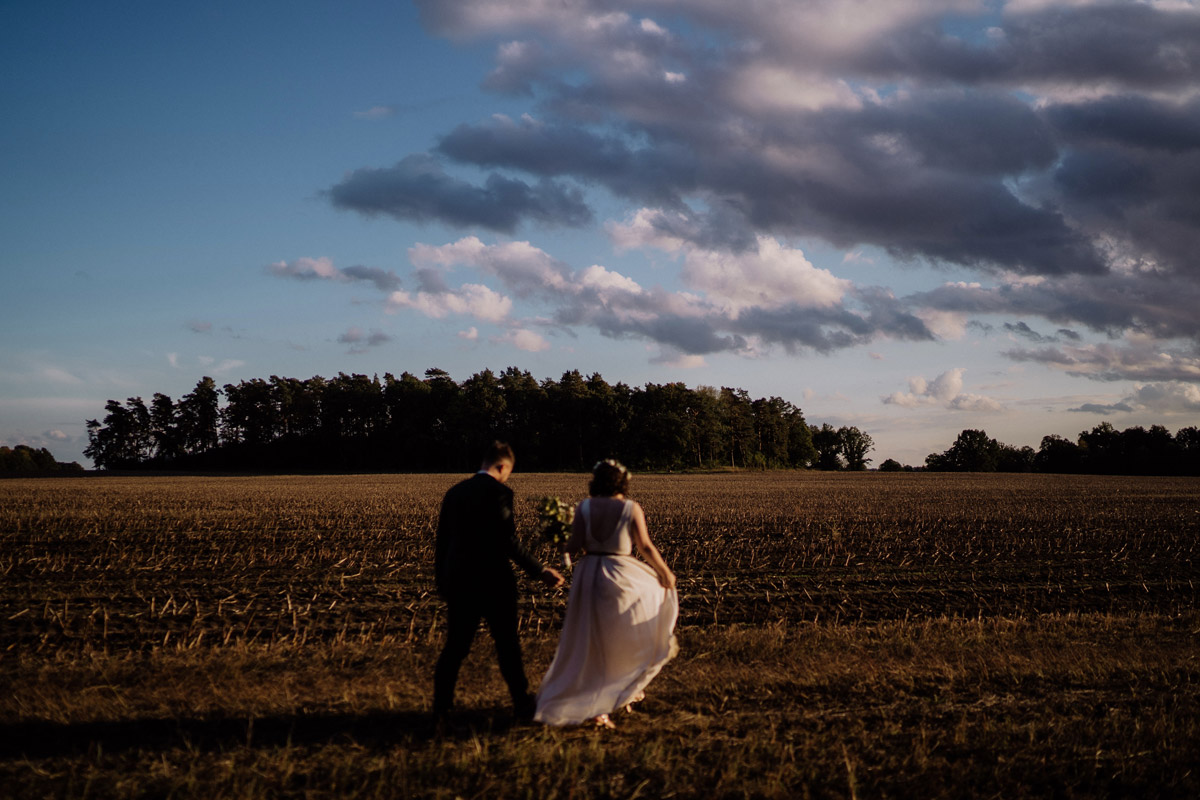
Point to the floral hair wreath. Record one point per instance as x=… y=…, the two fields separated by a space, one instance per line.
x=612 y=462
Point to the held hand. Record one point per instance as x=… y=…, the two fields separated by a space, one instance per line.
x=667 y=580
x=552 y=578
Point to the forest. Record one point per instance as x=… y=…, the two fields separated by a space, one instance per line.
x=433 y=424
x=359 y=422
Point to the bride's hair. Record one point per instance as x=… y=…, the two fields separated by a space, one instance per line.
x=609 y=477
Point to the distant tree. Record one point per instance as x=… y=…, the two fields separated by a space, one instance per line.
x=801 y=452
x=854 y=446
x=1057 y=454
x=737 y=420
x=164 y=429
x=25 y=459
x=972 y=451
x=124 y=439
x=828 y=445
x=1015 y=459
x=890 y=465
x=525 y=411
x=198 y=417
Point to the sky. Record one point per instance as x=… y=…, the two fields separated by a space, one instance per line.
x=912 y=216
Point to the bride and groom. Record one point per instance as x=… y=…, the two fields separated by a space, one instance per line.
x=619 y=626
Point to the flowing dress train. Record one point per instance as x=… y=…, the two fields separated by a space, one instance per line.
x=618 y=631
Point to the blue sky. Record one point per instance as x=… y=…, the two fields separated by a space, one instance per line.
x=911 y=217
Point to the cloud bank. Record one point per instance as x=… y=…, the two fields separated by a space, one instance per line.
x=1051 y=148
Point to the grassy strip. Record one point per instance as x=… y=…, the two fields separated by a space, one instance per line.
x=1059 y=705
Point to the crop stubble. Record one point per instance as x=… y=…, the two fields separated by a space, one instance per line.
x=797 y=590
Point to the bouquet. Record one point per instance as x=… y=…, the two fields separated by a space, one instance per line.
x=554 y=523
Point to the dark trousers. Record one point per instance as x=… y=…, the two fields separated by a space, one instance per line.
x=464 y=613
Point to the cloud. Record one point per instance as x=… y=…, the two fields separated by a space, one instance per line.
x=1138 y=359
x=199 y=326
x=679 y=360
x=361 y=342
x=1097 y=408
x=384 y=280
x=1030 y=139
x=420 y=190
x=522 y=339
x=323 y=269
x=376 y=112
x=220 y=367
x=57 y=375
x=474 y=300
x=1167 y=397
x=471 y=334
x=945 y=391
x=736 y=300
x=1171 y=397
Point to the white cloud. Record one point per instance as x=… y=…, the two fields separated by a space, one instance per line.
x=470 y=334
x=306 y=269
x=472 y=299
x=945 y=391
x=769 y=276
x=604 y=280
x=523 y=268
x=523 y=339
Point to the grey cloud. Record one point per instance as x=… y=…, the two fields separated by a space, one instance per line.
x=1025 y=332
x=1122 y=43
x=1116 y=363
x=654 y=175
x=1159 y=305
x=384 y=280
x=1096 y=408
x=1099 y=196
x=360 y=342
x=1131 y=172
x=1131 y=121
x=419 y=189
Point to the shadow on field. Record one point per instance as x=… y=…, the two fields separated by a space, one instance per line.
x=379 y=730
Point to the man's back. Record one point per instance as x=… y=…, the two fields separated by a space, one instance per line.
x=476 y=538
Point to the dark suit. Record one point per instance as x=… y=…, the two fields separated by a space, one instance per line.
x=476 y=540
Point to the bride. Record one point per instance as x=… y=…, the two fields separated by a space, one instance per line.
x=620 y=621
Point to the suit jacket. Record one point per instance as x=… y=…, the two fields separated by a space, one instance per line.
x=476 y=540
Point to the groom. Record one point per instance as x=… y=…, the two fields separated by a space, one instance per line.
x=476 y=538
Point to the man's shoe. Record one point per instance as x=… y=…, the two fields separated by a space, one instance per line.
x=524 y=708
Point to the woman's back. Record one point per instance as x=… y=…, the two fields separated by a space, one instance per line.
x=607 y=525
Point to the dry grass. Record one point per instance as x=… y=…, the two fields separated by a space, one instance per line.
x=873 y=636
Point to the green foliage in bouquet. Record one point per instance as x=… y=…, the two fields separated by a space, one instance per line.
x=554 y=519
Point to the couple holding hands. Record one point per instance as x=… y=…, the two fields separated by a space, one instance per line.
x=619 y=627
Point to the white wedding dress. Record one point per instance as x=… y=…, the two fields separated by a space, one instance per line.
x=618 y=632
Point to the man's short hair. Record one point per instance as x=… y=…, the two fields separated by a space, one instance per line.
x=498 y=451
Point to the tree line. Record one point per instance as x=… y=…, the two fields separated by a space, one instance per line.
x=406 y=423
x=1102 y=450
x=25 y=460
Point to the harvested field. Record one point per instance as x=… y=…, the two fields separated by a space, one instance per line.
x=870 y=635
